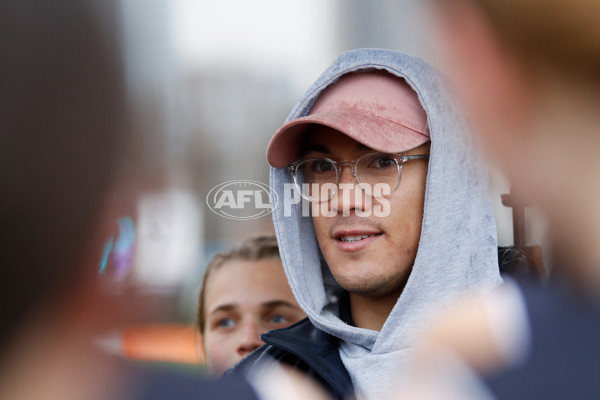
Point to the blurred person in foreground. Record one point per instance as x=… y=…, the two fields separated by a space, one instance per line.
x=62 y=118
x=243 y=295
x=61 y=111
x=370 y=267
x=529 y=72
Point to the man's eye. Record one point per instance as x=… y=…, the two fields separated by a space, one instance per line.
x=381 y=162
x=321 y=166
x=226 y=323
x=277 y=319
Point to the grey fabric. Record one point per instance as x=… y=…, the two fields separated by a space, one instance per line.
x=458 y=246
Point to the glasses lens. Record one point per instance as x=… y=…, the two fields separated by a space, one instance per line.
x=379 y=168
x=314 y=176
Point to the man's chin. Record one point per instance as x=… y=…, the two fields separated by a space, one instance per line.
x=366 y=283
x=368 y=286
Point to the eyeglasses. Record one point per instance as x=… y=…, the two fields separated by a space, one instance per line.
x=317 y=179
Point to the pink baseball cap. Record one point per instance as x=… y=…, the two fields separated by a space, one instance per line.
x=375 y=108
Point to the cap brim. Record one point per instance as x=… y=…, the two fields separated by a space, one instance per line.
x=377 y=133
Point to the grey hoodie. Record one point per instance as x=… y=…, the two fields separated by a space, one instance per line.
x=457 y=249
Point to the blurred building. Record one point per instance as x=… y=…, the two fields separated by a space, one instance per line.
x=210 y=83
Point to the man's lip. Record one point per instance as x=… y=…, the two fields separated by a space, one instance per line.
x=352 y=247
x=338 y=233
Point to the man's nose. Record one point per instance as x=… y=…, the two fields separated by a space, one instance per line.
x=349 y=196
x=250 y=339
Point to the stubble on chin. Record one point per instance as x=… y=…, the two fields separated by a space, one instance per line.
x=375 y=285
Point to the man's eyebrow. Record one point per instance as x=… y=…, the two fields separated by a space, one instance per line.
x=223 y=308
x=278 y=303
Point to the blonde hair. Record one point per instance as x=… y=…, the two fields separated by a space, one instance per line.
x=256 y=248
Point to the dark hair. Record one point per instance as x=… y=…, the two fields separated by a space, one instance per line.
x=61 y=108
x=253 y=249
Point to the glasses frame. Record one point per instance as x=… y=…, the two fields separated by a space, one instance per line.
x=339 y=165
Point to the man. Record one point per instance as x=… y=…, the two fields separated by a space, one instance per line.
x=373 y=261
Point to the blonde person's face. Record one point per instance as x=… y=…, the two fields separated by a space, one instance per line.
x=244 y=299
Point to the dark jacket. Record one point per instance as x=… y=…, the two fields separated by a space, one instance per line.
x=315 y=353
x=304 y=348
x=563 y=360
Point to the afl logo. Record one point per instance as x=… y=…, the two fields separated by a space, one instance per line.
x=241 y=200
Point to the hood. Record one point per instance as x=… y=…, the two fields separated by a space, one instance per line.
x=458 y=247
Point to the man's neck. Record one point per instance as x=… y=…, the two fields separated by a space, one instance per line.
x=371 y=313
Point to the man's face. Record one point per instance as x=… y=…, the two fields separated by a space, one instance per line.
x=380 y=264
x=243 y=300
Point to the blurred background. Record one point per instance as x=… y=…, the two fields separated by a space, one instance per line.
x=210 y=81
